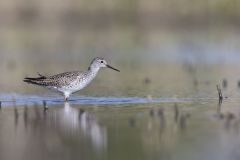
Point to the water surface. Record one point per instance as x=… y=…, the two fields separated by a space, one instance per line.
x=154 y=115
x=133 y=129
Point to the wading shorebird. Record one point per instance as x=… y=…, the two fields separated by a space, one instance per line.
x=70 y=82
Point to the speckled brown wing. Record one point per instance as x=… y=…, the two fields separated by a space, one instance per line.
x=59 y=80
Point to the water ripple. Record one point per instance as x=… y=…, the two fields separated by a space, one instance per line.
x=23 y=99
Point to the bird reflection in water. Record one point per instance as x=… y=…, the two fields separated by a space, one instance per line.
x=78 y=121
x=58 y=129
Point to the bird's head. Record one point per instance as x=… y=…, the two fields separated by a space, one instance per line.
x=101 y=63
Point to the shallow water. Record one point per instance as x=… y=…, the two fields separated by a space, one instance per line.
x=175 y=115
x=131 y=128
x=162 y=105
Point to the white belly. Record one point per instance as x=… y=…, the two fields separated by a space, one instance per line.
x=74 y=86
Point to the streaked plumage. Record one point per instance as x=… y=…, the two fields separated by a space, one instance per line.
x=70 y=82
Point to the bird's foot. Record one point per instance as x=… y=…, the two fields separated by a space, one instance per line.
x=66 y=99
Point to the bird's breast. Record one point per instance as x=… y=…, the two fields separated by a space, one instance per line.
x=79 y=83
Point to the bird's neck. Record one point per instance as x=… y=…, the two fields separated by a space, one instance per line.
x=93 y=70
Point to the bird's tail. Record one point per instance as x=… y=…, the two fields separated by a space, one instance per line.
x=37 y=80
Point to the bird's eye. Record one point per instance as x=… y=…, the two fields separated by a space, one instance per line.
x=101 y=61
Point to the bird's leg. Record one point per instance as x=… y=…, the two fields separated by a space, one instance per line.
x=66 y=96
x=66 y=99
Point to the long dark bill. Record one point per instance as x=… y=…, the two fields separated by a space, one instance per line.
x=112 y=68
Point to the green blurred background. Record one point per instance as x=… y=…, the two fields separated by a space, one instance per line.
x=52 y=36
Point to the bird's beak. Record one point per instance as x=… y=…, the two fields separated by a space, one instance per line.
x=112 y=68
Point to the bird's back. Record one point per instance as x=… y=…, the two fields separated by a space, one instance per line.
x=58 y=80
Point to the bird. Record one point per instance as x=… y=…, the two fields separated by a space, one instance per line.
x=68 y=83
